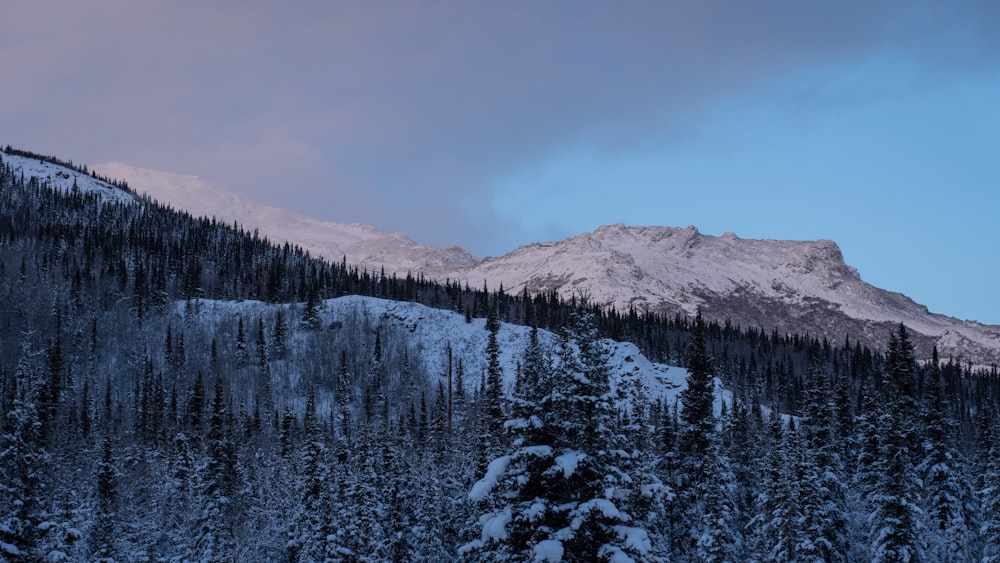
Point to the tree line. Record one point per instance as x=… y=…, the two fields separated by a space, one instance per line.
x=138 y=428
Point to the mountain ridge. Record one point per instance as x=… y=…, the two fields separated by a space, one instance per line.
x=785 y=285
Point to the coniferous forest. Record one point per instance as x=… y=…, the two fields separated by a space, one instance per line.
x=177 y=389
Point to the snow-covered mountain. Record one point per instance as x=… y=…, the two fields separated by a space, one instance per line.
x=791 y=286
x=64 y=178
x=361 y=245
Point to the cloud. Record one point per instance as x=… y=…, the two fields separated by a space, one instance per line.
x=402 y=114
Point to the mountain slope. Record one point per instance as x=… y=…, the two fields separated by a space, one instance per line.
x=64 y=178
x=790 y=286
x=361 y=245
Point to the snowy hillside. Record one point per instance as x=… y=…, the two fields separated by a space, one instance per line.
x=791 y=286
x=427 y=333
x=63 y=178
x=362 y=245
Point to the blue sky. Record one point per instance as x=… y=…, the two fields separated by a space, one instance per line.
x=489 y=125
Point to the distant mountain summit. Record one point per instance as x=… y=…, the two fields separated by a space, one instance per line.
x=789 y=286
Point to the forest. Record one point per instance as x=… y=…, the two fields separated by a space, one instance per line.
x=177 y=389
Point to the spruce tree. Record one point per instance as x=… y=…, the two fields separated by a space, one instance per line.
x=697 y=398
x=312 y=525
x=990 y=501
x=563 y=491
x=706 y=513
x=215 y=535
x=492 y=401
x=105 y=529
x=894 y=523
x=242 y=352
x=820 y=469
x=22 y=462
x=949 y=516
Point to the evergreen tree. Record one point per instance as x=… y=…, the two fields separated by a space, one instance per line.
x=894 y=522
x=697 y=398
x=491 y=406
x=105 y=530
x=703 y=484
x=820 y=472
x=948 y=510
x=344 y=398
x=279 y=344
x=990 y=500
x=563 y=492
x=196 y=405
x=242 y=351
x=22 y=461
x=215 y=536
x=310 y=317
x=311 y=526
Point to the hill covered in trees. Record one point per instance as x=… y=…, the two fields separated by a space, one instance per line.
x=173 y=388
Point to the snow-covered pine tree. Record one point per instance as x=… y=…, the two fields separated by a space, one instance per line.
x=344 y=400
x=562 y=493
x=279 y=344
x=703 y=485
x=104 y=530
x=894 y=521
x=491 y=404
x=310 y=316
x=360 y=506
x=242 y=350
x=990 y=501
x=696 y=400
x=776 y=530
x=714 y=526
x=949 y=513
x=220 y=484
x=22 y=461
x=312 y=523
x=821 y=470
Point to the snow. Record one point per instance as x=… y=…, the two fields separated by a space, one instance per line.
x=363 y=246
x=605 y=506
x=538 y=451
x=63 y=178
x=635 y=539
x=482 y=488
x=522 y=423
x=494 y=529
x=535 y=511
x=549 y=551
x=430 y=332
x=568 y=462
x=648 y=268
x=495 y=525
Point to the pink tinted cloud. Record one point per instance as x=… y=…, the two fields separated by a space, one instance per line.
x=423 y=103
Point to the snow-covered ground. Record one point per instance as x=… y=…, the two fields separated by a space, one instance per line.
x=429 y=332
x=63 y=178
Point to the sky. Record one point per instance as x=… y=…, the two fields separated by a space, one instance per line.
x=490 y=125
